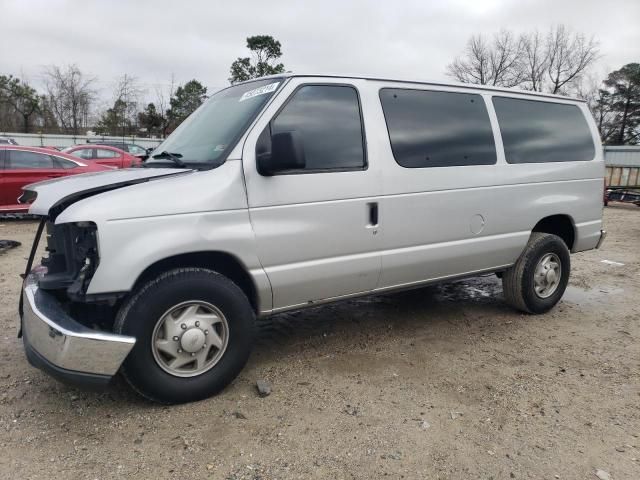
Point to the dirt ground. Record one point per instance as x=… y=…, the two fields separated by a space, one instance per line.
x=441 y=382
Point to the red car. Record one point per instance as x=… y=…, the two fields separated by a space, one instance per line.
x=104 y=155
x=20 y=166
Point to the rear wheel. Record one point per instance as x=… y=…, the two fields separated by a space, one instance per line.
x=539 y=278
x=193 y=330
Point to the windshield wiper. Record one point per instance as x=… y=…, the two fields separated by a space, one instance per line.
x=174 y=157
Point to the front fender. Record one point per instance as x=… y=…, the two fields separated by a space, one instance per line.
x=128 y=247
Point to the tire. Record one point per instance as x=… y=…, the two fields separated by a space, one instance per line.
x=145 y=313
x=518 y=282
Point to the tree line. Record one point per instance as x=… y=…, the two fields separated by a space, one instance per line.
x=68 y=105
x=68 y=102
x=558 y=61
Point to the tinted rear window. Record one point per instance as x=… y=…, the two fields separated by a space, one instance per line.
x=438 y=129
x=535 y=132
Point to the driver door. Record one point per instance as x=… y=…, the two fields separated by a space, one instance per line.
x=316 y=226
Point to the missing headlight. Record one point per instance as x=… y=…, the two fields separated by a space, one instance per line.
x=72 y=258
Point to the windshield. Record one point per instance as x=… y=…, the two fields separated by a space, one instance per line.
x=208 y=134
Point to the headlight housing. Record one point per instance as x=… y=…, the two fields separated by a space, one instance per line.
x=72 y=257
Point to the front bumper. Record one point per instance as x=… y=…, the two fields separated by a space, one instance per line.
x=67 y=350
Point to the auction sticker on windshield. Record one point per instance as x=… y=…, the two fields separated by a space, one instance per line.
x=259 y=91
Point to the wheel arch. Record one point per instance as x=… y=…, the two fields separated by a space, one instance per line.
x=561 y=225
x=222 y=262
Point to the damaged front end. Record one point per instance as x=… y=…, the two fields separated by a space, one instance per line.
x=66 y=332
x=72 y=258
x=69 y=346
x=72 y=253
x=58 y=344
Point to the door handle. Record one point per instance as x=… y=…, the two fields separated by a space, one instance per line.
x=373 y=214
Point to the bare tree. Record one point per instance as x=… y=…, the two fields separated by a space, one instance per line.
x=494 y=63
x=127 y=94
x=473 y=66
x=505 y=59
x=553 y=63
x=69 y=95
x=535 y=59
x=163 y=104
x=569 y=55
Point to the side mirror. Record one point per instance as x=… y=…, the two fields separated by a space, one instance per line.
x=279 y=152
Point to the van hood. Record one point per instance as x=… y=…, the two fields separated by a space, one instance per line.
x=66 y=190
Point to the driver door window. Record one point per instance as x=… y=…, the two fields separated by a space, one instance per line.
x=328 y=121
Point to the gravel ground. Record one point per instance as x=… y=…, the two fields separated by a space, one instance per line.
x=441 y=382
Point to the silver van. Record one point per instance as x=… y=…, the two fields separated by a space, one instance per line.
x=295 y=190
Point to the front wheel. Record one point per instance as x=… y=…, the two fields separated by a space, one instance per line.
x=193 y=330
x=539 y=278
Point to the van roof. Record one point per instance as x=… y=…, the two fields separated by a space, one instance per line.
x=427 y=82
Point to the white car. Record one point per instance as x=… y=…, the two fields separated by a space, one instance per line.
x=291 y=191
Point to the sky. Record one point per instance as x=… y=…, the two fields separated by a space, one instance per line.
x=413 y=39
